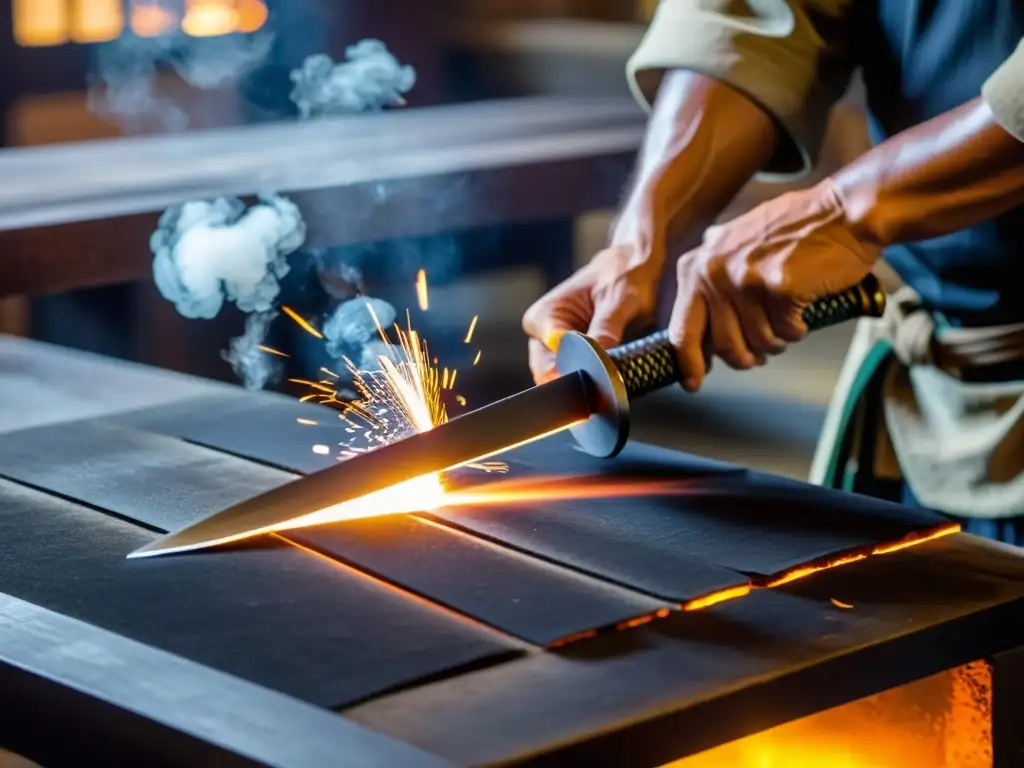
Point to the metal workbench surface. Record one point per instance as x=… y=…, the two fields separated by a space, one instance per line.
x=449 y=636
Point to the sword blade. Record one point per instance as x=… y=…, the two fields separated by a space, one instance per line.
x=488 y=431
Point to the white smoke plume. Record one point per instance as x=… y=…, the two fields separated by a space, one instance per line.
x=207 y=253
x=252 y=365
x=351 y=330
x=124 y=83
x=370 y=79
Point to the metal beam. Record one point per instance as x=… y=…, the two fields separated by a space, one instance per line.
x=80 y=215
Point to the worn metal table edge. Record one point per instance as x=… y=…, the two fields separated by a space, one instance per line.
x=651 y=737
x=95 y=696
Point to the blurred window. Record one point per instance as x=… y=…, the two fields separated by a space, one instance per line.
x=47 y=23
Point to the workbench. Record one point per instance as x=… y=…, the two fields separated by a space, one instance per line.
x=562 y=632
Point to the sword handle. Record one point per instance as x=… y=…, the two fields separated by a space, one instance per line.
x=650 y=363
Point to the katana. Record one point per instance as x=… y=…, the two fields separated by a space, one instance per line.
x=591 y=398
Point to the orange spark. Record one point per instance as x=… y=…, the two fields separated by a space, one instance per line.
x=460 y=400
x=477 y=358
x=421 y=289
x=720 y=596
x=302 y=323
x=472 y=327
x=916 y=538
x=271 y=350
x=840 y=604
x=314 y=385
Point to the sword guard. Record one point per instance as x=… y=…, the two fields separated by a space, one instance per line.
x=615 y=377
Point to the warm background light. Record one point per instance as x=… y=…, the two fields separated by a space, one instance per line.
x=46 y=23
x=209 y=18
x=96 y=21
x=151 y=19
x=40 y=23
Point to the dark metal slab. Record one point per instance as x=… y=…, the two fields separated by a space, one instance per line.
x=356 y=179
x=74 y=694
x=150 y=479
x=271 y=614
x=746 y=522
x=165 y=483
x=260 y=426
x=537 y=601
x=723 y=521
x=693 y=681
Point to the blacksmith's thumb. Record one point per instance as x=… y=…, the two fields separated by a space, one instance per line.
x=608 y=325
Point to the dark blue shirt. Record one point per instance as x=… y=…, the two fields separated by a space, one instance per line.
x=921 y=58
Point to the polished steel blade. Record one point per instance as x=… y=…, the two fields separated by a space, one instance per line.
x=485 y=432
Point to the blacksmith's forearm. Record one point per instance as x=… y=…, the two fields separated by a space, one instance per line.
x=704 y=142
x=936 y=178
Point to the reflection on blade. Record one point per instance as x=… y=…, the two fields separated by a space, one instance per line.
x=493 y=429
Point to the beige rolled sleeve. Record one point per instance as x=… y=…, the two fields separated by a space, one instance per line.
x=1004 y=93
x=788 y=56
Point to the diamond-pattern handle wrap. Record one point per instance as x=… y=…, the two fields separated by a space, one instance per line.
x=649 y=364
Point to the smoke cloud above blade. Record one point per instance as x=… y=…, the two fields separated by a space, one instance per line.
x=370 y=79
x=210 y=253
x=206 y=254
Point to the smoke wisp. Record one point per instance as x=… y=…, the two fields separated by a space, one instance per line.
x=370 y=79
x=124 y=87
x=251 y=364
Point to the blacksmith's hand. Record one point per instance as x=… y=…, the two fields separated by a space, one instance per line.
x=618 y=287
x=742 y=292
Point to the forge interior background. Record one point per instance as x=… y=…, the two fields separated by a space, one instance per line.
x=462 y=50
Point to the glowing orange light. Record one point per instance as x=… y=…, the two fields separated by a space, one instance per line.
x=149 y=18
x=573 y=638
x=721 y=596
x=469 y=333
x=209 y=18
x=301 y=321
x=421 y=290
x=943 y=720
x=803 y=571
x=840 y=604
x=97 y=21
x=40 y=23
x=647 y=618
x=916 y=538
x=252 y=15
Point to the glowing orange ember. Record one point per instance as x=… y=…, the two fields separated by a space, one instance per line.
x=840 y=603
x=302 y=322
x=271 y=350
x=916 y=538
x=806 y=570
x=721 y=596
x=421 y=290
